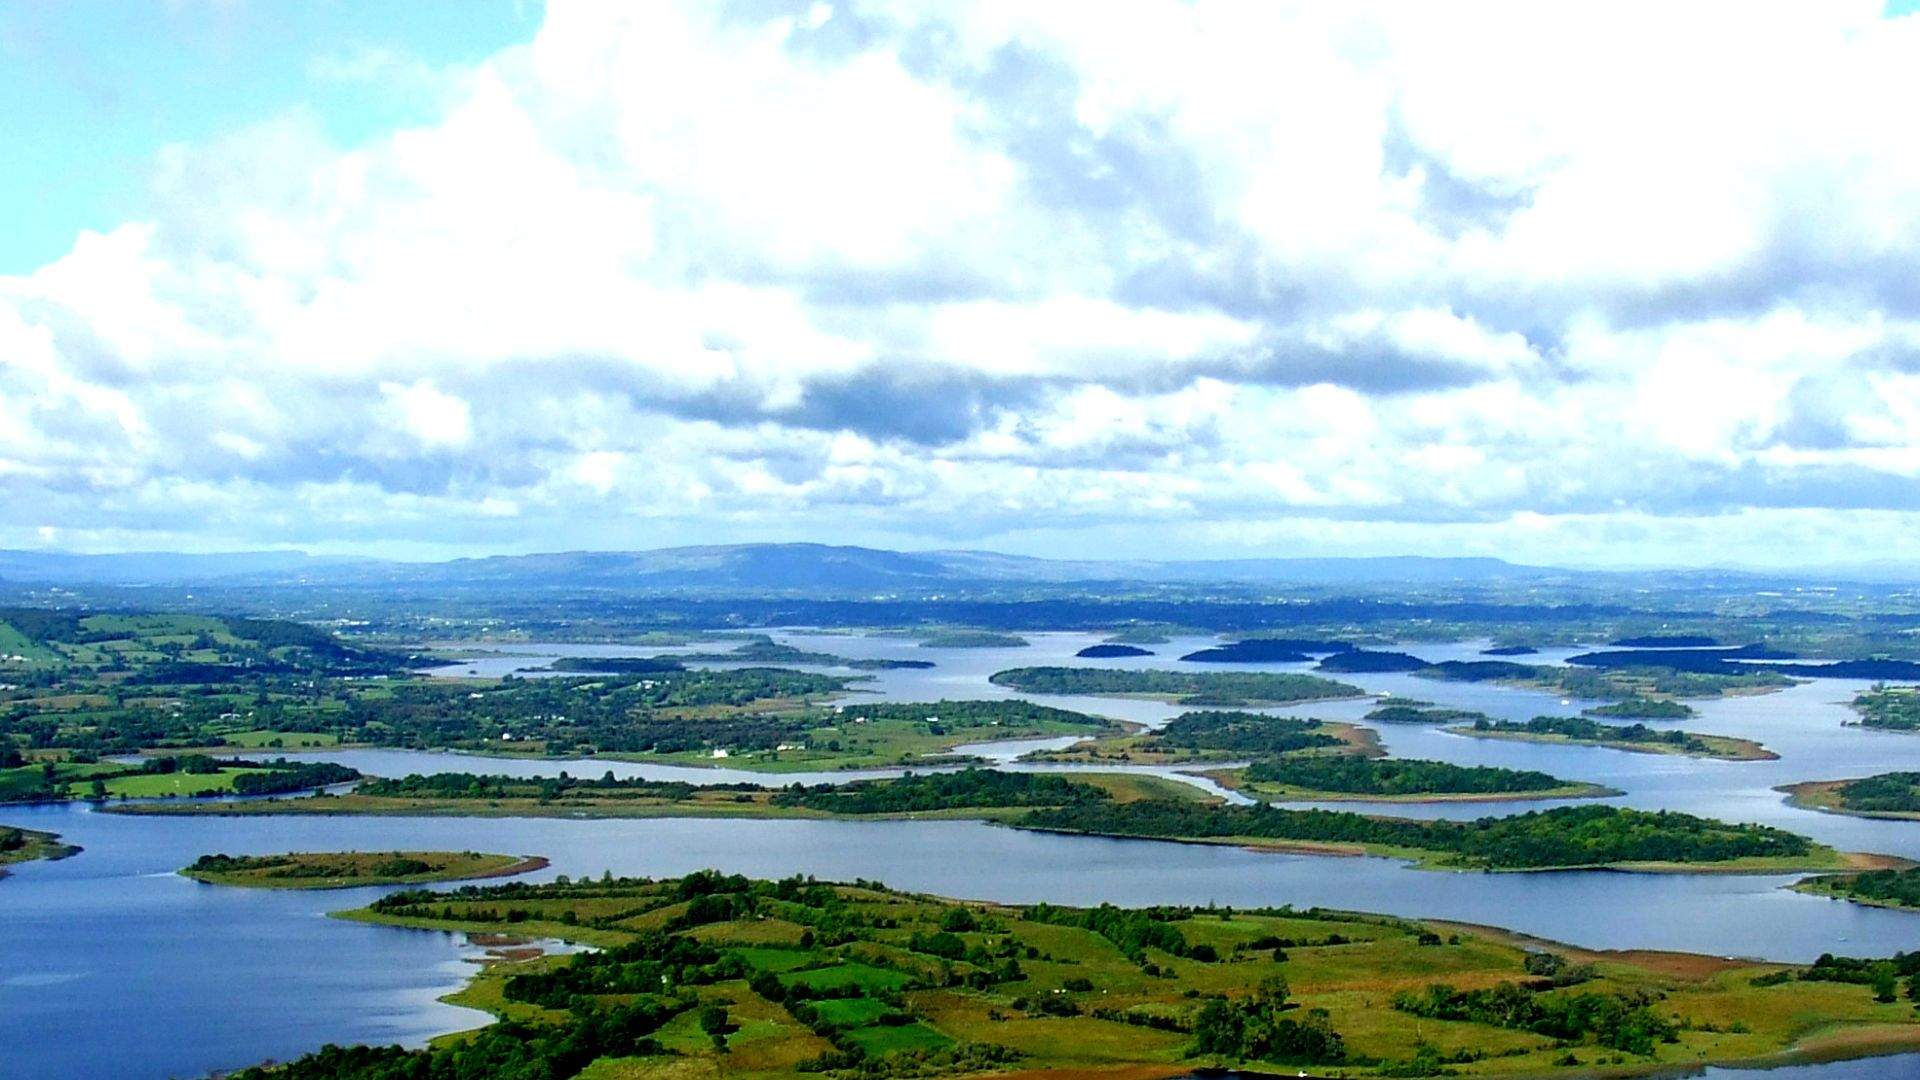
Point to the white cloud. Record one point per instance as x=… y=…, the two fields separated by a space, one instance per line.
x=1338 y=275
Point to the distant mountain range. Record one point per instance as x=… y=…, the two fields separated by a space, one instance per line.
x=816 y=569
x=751 y=567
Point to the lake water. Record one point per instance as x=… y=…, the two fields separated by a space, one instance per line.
x=111 y=965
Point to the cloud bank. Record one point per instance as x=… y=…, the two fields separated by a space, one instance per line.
x=1127 y=279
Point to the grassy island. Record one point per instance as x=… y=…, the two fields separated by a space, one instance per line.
x=1637 y=738
x=1894 y=795
x=1185 y=687
x=1328 y=779
x=721 y=976
x=1220 y=735
x=350 y=869
x=1569 y=837
x=26 y=845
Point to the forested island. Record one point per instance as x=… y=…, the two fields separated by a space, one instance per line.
x=1326 y=779
x=1112 y=651
x=719 y=975
x=1565 y=837
x=1403 y=711
x=1888 y=795
x=1186 y=687
x=1638 y=738
x=352 y=869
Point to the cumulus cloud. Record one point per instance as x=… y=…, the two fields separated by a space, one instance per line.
x=1264 y=276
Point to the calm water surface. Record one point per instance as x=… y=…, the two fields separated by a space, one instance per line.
x=110 y=965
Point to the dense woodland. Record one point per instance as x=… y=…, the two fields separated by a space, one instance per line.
x=1564 y=836
x=1397 y=776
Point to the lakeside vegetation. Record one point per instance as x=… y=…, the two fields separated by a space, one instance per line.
x=1875 y=888
x=716 y=975
x=26 y=845
x=1219 y=735
x=352 y=869
x=1224 y=688
x=1638 y=738
x=1333 y=778
x=1564 y=837
x=1893 y=795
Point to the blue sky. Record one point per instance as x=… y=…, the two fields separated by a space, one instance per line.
x=430 y=279
x=95 y=88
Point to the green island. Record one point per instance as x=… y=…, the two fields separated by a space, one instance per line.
x=1224 y=688
x=1643 y=708
x=968 y=793
x=1567 y=837
x=1331 y=779
x=1894 y=795
x=1219 y=735
x=26 y=845
x=166 y=777
x=1638 y=738
x=351 y=869
x=1403 y=711
x=1889 y=708
x=1874 y=888
x=713 y=975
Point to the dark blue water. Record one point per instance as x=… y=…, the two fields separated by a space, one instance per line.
x=110 y=965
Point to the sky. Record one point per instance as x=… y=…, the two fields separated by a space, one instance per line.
x=1621 y=284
